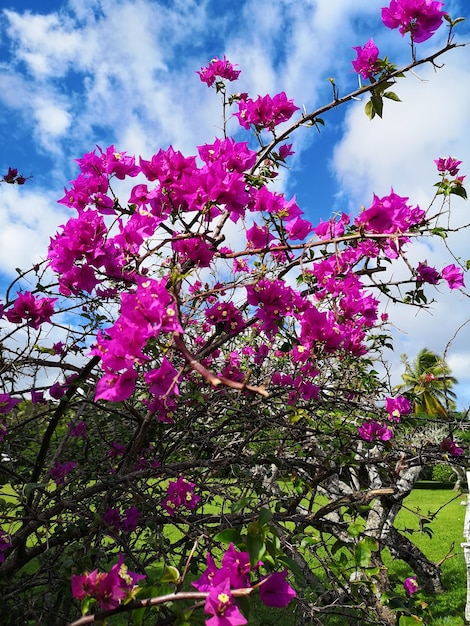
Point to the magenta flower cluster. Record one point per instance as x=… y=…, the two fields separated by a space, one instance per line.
x=448 y=165
x=218 y=68
x=452 y=274
x=265 y=111
x=410 y=585
x=125 y=522
x=180 y=494
x=31 y=309
x=235 y=573
x=373 y=431
x=366 y=63
x=60 y=471
x=396 y=408
x=450 y=447
x=110 y=589
x=12 y=177
x=420 y=18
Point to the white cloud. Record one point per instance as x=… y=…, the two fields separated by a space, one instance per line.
x=27 y=220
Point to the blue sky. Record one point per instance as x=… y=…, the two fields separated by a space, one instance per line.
x=74 y=74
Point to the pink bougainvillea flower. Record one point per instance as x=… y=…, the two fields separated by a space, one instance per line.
x=258 y=236
x=454 y=276
x=61 y=470
x=389 y=214
x=195 y=249
x=109 y=588
x=218 y=68
x=371 y=431
x=420 y=18
x=180 y=493
x=265 y=112
x=366 y=62
x=35 y=311
x=333 y=228
x=78 y=430
x=7 y=403
x=410 y=585
x=116 y=387
x=221 y=606
x=298 y=228
x=449 y=165
x=396 y=407
x=275 y=591
x=427 y=274
x=237 y=564
x=448 y=445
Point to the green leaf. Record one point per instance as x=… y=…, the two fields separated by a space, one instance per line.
x=362 y=554
x=255 y=547
x=392 y=96
x=410 y=620
x=229 y=535
x=371 y=543
x=369 y=109
x=293 y=567
x=171 y=575
x=377 y=103
x=355 y=530
x=264 y=516
x=440 y=232
x=138 y=617
x=458 y=190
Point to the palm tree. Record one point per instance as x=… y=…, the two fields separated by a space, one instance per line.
x=428 y=384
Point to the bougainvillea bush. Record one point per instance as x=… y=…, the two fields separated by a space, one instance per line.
x=193 y=427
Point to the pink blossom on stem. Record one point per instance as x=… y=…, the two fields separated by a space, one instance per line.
x=218 y=68
x=397 y=407
x=78 y=430
x=265 y=112
x=449 y=165
x=410 y=585
x=35 y=311
x=371 y=431
x=180 y=494
x=195 y=249
x=275 y=591
x=108 y=588
x=7 y=403
x=333 y=228
x=389 y=215
x=454 y=276
x=420 y=18
x=366 y=62
x=427 y=274
x=221 y=606
x=60 y=471
x=163 y=380
x=285 y=150
x=258 y=236
x=449 y=446
x=116 y=387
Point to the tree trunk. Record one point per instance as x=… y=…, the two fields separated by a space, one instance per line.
x=427 y=572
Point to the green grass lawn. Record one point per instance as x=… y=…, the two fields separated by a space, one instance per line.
x=446 y=609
